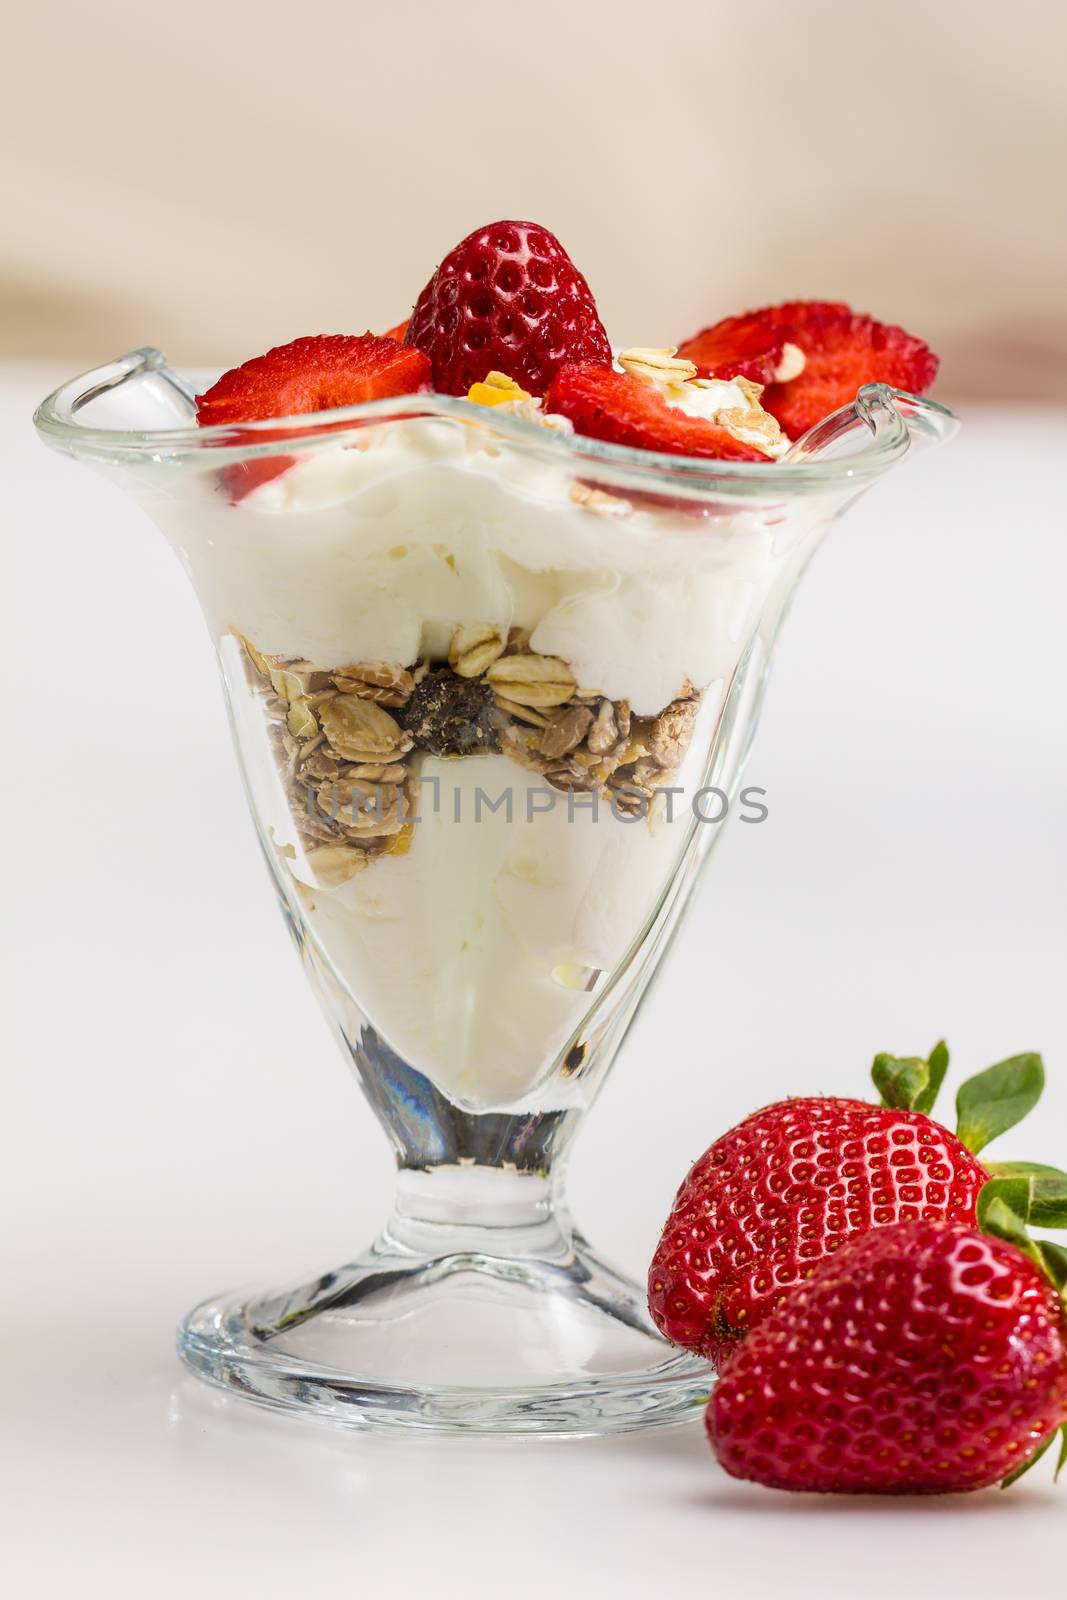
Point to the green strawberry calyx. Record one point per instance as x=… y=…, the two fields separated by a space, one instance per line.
x=987 y=1105
x=911 y=1083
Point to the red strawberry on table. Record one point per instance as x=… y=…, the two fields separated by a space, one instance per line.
x=317 y=373
x=791 y=1184
x=509 y=299
x=622 y=409
x=841 y=351
x=922 y=1358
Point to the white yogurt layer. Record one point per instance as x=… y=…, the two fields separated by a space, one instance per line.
x=379 y=553
x=477 y=954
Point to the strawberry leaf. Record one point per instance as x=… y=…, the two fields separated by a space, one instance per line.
x=1062 y=1462
x=995 y=1100
x=1048 y=1190
x=909 y=1083
x=1003 y=1209
x=1013 y=1477
x=1054 y=1261
x=1048 y=1203
x=1025 y=1169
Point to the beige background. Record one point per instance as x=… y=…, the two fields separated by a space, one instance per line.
x=215 y=178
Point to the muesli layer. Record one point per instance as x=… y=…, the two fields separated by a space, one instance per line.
x=347 y=738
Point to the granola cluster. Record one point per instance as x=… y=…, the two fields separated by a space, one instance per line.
x=346 y=738
x=579 y=739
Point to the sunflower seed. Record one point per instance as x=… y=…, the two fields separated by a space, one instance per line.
x=359 y=730
x=566 y=731
x=331 y=865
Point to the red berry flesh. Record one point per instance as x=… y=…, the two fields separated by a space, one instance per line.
x=924 y=1358
x=507 y=299
x=748 y=346
x=842 y=351
x=317 y=373
x=621 y=409
x=313 y=374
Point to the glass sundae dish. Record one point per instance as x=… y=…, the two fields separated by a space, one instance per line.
x=494 y=616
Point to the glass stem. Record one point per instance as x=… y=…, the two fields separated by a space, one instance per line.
x=478 y=1210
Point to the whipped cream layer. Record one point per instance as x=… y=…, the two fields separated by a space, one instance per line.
x=379 y=551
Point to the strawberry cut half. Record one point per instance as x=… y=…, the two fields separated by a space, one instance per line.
x=507 y=299
x=317 y=373
x=738 y=347
x=842 y=351
x=621 y=409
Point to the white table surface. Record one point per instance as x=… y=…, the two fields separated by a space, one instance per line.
x=176 y=1119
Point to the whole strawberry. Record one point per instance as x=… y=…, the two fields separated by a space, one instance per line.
x=922 y=1358
x=791 y=1184
x=508 y=298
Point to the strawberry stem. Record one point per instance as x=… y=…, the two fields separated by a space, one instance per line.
x=911 y=1083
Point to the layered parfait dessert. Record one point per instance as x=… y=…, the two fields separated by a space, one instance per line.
x=478 y=679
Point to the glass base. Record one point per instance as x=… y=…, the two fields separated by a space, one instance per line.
x=557 y=1343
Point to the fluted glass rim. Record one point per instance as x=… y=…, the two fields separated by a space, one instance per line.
x=891 y=417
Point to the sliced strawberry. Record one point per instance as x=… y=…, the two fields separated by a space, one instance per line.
x=509 y=299
x=738 y=347
x=317 y=373
x=314 y=374
x=620 y=409
x=842 y=351
x=397 y=333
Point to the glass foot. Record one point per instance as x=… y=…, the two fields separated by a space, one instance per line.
x=460 y=1342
